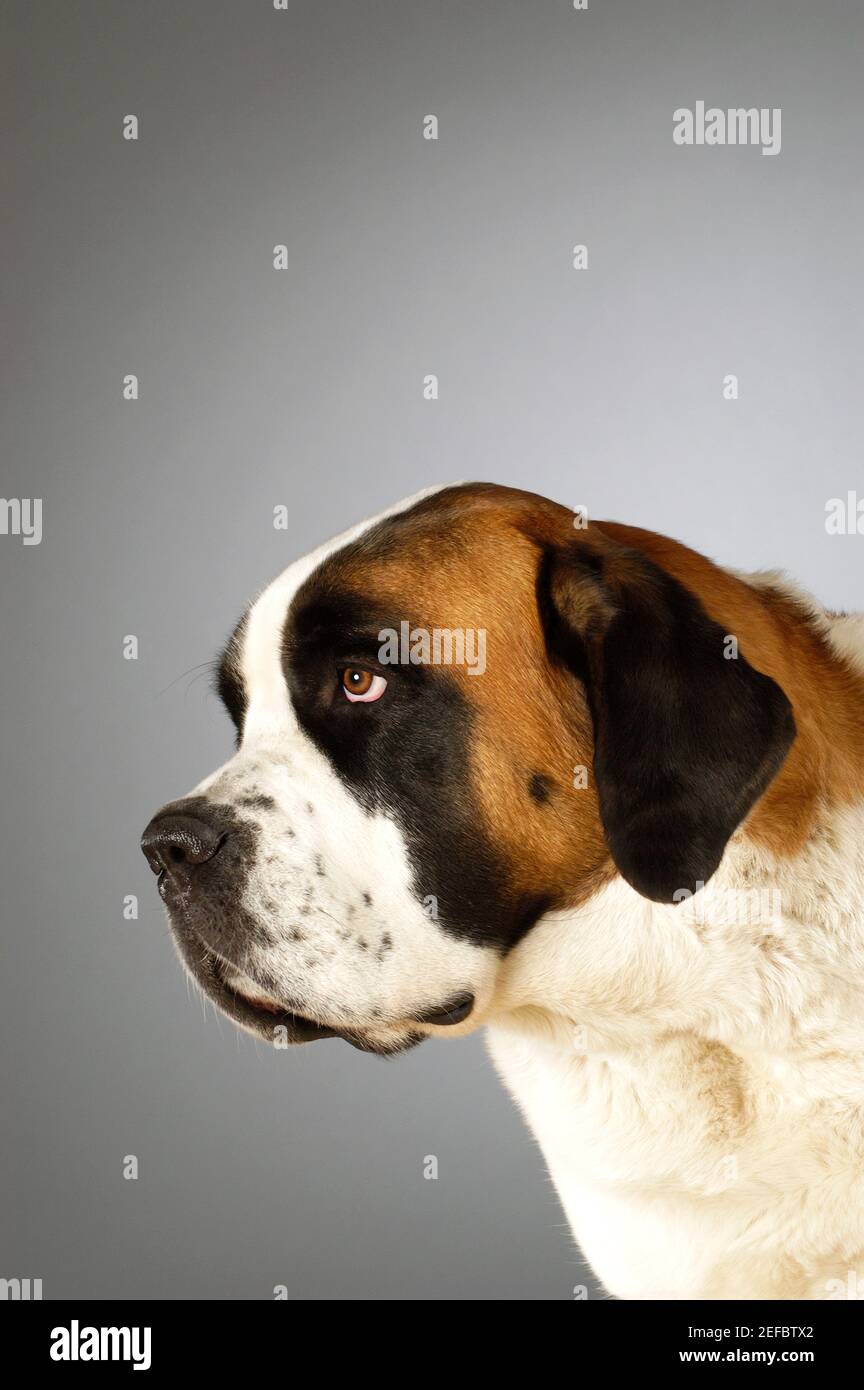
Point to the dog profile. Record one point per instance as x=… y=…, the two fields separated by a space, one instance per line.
x=631 y=847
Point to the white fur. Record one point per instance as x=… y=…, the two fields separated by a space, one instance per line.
x=364 y=966
x=696 y=1082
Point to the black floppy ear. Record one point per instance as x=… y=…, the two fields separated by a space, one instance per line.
x=685 y=740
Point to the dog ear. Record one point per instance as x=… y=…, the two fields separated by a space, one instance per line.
x=685 y=739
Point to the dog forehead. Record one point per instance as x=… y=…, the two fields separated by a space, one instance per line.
x=458 y=557
x=465 y=557
x=258 y=662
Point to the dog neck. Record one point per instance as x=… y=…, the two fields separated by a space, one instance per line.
x=749 y=961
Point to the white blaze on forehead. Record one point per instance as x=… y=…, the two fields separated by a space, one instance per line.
x=373 y=953
x=269 y=707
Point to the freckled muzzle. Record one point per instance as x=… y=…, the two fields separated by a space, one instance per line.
x=284 y=936
x=202 y=853
x=266 y=1019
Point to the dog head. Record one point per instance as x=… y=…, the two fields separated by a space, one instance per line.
x=451 y=721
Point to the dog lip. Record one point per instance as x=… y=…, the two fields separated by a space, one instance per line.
x=456 y=1010
x=271 y=1010
x=208 y=969
x=304 y=1029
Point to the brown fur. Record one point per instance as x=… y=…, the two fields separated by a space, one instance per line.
x=468 y=558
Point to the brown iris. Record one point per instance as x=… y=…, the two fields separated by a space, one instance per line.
x=356 y=681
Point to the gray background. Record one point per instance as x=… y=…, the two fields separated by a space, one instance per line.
x=305 y=388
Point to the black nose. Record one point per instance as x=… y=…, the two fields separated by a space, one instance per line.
x=175 y=844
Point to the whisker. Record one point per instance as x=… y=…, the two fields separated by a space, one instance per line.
x=202 y=667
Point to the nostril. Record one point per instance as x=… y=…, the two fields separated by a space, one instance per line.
x=174 y=842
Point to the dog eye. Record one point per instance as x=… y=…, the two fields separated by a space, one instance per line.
x=361 y=685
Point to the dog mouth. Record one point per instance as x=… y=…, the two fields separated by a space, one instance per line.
x=250 y=1006
x=268 y=1013
x=243 y=999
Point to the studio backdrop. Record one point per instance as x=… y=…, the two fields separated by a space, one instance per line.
x=269 y=268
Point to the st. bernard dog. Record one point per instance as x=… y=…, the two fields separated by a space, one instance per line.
x=631 y=847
